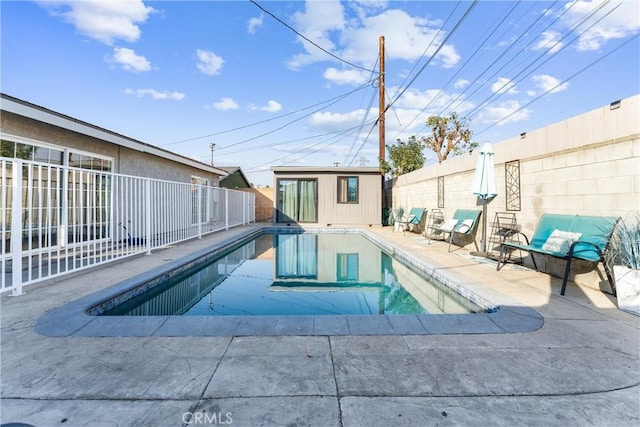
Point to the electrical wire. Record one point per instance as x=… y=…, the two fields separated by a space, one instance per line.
x=519 y=76
x=307 y=39
x=455 y=28
x=415 y=64
x=269 y=119
x=477 y=50
x=561 y=83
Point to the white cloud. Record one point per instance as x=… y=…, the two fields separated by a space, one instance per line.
x=271 y=107
x=254 y=23
x=225 y=104
x=503 y=85
x=406 y=37
x=341 y=77
x=315 y=23
x=356 y=40
x=506 y=111
x=328 y=121
x=129 y=60
x=549 y=40
x=102 y=20
x=549 y=83
x=154 y=94
x=620 y=23
x=461 y=83
x=208 y=62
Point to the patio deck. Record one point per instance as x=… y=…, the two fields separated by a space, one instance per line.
x=581 y=367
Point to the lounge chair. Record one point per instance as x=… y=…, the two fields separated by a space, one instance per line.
x=461 y=229
x=414 y=221
x=567 y=237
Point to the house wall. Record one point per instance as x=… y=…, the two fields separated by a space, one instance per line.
x=126 y=160
x=368 y=210
x=586 y=165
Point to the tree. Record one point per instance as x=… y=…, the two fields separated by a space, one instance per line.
x=450 y=134
x=16 y=150
x=405 y=157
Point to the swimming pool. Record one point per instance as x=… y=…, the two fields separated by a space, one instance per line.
x=81 y=317
x=301 y=273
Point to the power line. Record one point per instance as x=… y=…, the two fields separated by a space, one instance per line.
x=415 y=64
x=291 y=141
x=460 y=21
x=521 y=77
x=267 y=120
x=307 y=39
x=561 y=83
x=502 y=55
x=453 y=77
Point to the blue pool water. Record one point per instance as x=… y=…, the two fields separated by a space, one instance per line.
x=298 y=274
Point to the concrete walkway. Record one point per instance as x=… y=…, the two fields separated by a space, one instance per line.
x=582 y=367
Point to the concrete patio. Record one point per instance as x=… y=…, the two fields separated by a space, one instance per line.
x=582 y=367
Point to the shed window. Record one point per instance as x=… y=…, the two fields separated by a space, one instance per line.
x=347 y=189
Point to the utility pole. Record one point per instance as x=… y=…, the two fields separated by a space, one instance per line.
x=381 y=131
x=381 y=103
x=213 y=147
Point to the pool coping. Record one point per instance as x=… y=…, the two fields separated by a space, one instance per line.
x=73 y=319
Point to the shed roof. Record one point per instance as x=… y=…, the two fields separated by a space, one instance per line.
x=324 y=170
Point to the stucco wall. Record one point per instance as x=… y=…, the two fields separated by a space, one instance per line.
x=586 y=165
x=126 y=161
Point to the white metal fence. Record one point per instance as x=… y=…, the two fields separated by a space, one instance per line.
x=57 y=219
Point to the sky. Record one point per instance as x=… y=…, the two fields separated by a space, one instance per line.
x=296 y=83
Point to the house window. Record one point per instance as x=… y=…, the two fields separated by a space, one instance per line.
x=26 y=149
x=347 y=189
x=297 y=200
x=347 y=267
x=296 y=256
x=53 y=196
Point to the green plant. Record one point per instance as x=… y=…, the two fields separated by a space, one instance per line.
x=625 y=242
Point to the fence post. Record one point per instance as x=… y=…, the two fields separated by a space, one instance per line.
x=16 y=228
x=244 y=208
x=226 y=208
x=147 y=215
x=199 y=207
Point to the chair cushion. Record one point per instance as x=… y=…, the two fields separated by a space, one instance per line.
x=560 y=241
x=449 y=224
x=465 y=227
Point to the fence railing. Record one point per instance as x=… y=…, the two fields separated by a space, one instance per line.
x=56 y=219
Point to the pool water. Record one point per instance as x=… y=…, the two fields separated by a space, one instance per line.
x=298 y=274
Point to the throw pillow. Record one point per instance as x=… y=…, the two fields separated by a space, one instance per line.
x=465 y=227
x=449 y=224
x=560 y=241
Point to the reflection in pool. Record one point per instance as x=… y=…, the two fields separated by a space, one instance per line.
x=298 y=274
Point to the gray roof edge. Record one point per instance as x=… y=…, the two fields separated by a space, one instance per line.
x=35 y=112
x=325 y=169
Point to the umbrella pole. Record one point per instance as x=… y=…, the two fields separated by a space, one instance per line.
x=484 y=226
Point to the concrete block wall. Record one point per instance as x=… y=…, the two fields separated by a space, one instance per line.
x=585 y=165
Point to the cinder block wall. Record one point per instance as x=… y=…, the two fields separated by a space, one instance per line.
x=585 y=165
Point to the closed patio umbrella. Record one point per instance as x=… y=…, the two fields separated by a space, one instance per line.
x=484 y=185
